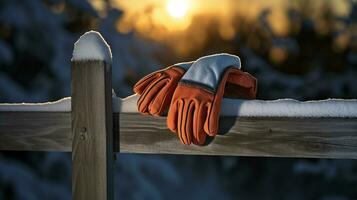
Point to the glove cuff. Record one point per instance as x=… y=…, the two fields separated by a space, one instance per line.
x=207 y=71
x=184 y=65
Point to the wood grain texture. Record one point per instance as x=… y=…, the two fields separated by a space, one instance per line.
x=35 y=131
x=92 y=150
x=278 y=137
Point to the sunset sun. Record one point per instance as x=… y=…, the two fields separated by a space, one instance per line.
x=177 y=8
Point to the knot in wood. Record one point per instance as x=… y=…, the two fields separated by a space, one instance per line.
x=83 y=133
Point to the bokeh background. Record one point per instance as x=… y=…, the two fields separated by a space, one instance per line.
x=298 y=49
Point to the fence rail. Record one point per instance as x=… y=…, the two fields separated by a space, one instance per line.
x=263 y=136
x=35 y=131
x=243 y=136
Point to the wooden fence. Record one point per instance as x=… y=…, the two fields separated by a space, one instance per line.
x=93 y=132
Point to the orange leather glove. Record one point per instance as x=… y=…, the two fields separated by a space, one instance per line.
x=156 y=89
x=196 y=103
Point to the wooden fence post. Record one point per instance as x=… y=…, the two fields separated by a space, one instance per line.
x=92 y=148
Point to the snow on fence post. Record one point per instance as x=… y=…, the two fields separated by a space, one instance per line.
x=92 y=149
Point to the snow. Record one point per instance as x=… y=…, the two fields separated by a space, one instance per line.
x=289 y=108
x=273 y=108
x=129 y=104
x=62 y=105
x=230 y=107
x=92 y=46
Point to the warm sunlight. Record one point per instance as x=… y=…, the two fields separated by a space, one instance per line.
x=177 y=8
x=188 y=24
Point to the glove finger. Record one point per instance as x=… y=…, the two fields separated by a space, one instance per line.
x=211 y=123
x=242 y=79
x=187 y=125
x=181 y=118
x=142 y=84
x=200 y=116
x=240 y=85
x=172 y=116
x=149 y=93
x=162 y=100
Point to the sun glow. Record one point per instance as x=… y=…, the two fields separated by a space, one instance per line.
x=186 y=25
x=177 y=8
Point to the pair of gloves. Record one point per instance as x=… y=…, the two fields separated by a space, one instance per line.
x=192 y=93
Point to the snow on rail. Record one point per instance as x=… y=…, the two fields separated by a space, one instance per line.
x=290 y=108
x=230 y=107
x=62 y=105
x=92 y=46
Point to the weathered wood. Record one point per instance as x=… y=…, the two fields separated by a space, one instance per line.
x=281 y=137
x=35 y=131
x=92 y=131
x=278 y=137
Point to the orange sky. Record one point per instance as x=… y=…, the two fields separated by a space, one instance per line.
x=136 y=12
x=152 y=18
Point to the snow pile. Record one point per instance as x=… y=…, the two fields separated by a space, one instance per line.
x=128 y=104
x=230 y=107
x=62 y=105
x=273 y=108
x=289 y=108
x=92 y=46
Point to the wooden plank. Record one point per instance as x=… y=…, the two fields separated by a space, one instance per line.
x=278 y=137
x=35 y=131
x=41 y=131
x=92 y=131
